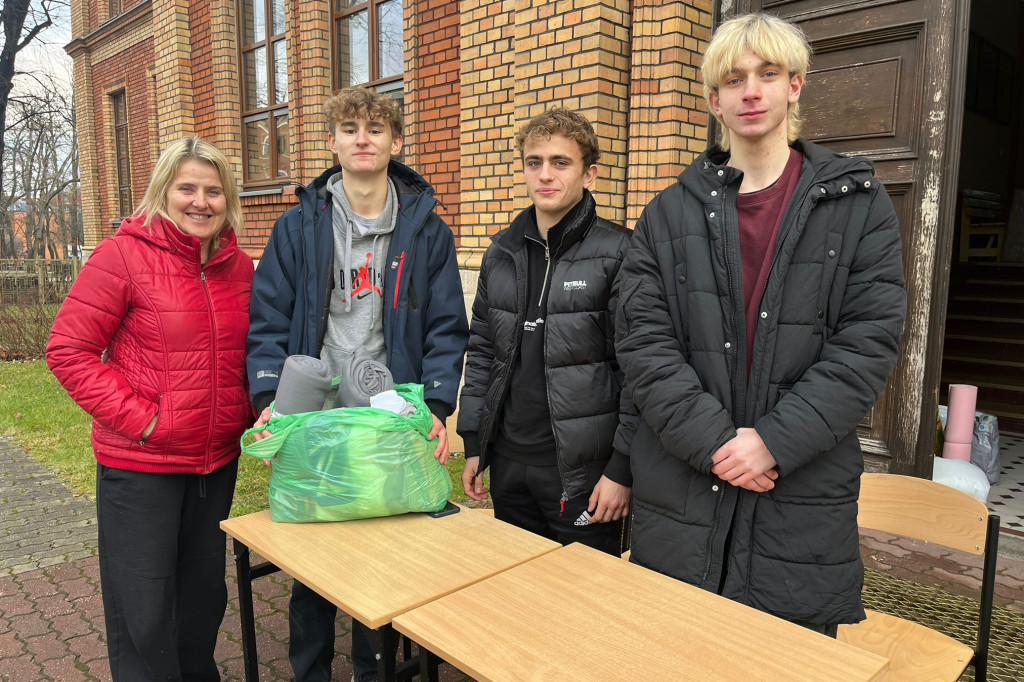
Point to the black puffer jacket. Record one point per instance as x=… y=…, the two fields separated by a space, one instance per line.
x=826 y=340
x=583 y=379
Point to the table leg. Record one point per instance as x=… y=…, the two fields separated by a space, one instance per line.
x=387 y=638
x=245 y=610
x=429 y=663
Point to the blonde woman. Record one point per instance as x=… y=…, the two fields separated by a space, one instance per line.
x=151 y=343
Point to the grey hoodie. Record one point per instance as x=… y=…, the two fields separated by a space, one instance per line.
x=360 y=249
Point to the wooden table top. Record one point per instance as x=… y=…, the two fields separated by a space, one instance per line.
x=579 y=614
x=374 y=569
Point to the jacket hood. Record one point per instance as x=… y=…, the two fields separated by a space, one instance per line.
x=408 y=182
x=164 y=234
x=710 y=172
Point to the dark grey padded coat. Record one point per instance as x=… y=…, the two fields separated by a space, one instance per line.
x=583 y=378
x=826 y=340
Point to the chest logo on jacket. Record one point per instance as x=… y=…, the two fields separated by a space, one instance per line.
x=575 y=285
x=532 y=325
x=366 y=279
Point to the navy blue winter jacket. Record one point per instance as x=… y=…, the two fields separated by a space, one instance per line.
x=425 y=327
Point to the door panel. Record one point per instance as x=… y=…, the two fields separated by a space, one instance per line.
x=886 y=82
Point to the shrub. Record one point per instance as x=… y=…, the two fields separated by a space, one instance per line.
x=24 y=330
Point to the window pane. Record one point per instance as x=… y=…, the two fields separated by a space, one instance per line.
x=257 y=149
x=254 y=21
x=277 y=7
x=345 y=4
x=124 y=197
x=389 y=37
x=280 y=72
x=283 y=155
x=256 y=78
x=353 y=50
x=119 y=108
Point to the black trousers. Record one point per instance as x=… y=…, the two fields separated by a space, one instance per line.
x=531 y=497
x=162 y=558
x=311 y=639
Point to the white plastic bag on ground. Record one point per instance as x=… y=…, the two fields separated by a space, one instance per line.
x=961 y=475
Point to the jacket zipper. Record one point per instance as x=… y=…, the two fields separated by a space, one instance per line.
x=547 y=394
x=213 y=366
x=398 y=280
x=547 y=271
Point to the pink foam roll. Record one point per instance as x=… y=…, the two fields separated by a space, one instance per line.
x=960 y=422
x=960 y=451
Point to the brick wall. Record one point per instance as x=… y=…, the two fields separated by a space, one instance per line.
x=576 y=55
x=124 y=71
x=668 y=115
x=432 y=99
x=475 y=71
x=172 y=49
x=486 y=122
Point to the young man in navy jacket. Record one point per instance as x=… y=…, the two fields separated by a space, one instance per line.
x=362 y=261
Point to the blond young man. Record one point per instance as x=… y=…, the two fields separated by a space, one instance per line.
x=363 y=261
x=762 y=300
x=540 y=400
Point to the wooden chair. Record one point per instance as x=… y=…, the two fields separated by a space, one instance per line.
x=929 y=511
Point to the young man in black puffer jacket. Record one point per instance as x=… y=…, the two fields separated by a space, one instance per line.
x=540 y=404
x=762 y=300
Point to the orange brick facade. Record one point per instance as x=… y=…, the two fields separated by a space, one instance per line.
x=474 y=71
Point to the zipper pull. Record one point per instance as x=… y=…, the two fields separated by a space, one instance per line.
x=202 y=275
x=561 y=503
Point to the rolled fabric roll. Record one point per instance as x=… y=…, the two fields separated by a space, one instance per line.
x=305 y=383
x=963 y=399
x=961 y=451
x=362 y=377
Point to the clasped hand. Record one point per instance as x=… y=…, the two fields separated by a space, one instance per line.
x=746 y=462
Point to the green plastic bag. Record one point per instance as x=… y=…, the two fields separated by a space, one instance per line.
x=352 y=463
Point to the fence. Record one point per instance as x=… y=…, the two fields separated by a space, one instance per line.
x=29 y=282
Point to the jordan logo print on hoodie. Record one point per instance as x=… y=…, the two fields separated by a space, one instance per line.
x=362 y=284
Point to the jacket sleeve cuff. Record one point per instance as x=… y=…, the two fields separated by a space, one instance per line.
x=439 y=408
x=471 y=441
x=262 y=401
x=618 y=469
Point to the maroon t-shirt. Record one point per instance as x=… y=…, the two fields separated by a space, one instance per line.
x=760 y=215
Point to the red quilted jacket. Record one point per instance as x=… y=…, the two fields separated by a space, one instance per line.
x=147 y=329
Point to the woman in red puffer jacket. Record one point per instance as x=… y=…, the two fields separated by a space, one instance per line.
x=151 y=343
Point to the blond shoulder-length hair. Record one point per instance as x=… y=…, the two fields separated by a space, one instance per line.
x=176 y=153
x=770 y=38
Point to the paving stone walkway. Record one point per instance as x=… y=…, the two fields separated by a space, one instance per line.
x=51 y=614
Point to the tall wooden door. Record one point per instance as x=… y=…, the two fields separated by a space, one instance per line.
x=886 y=81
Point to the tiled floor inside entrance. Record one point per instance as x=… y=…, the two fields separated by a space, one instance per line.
x=1007 y=498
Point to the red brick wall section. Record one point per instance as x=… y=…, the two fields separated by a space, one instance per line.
x=260 y=213
x=432 y=93
x=127 y=69
x=668 y=116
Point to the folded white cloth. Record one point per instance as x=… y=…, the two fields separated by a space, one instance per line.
x=392 y=402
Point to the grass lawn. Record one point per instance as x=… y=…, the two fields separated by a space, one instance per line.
x=37 y=414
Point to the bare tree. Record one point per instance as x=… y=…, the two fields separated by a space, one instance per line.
x=14 y=15
x=41 y=169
